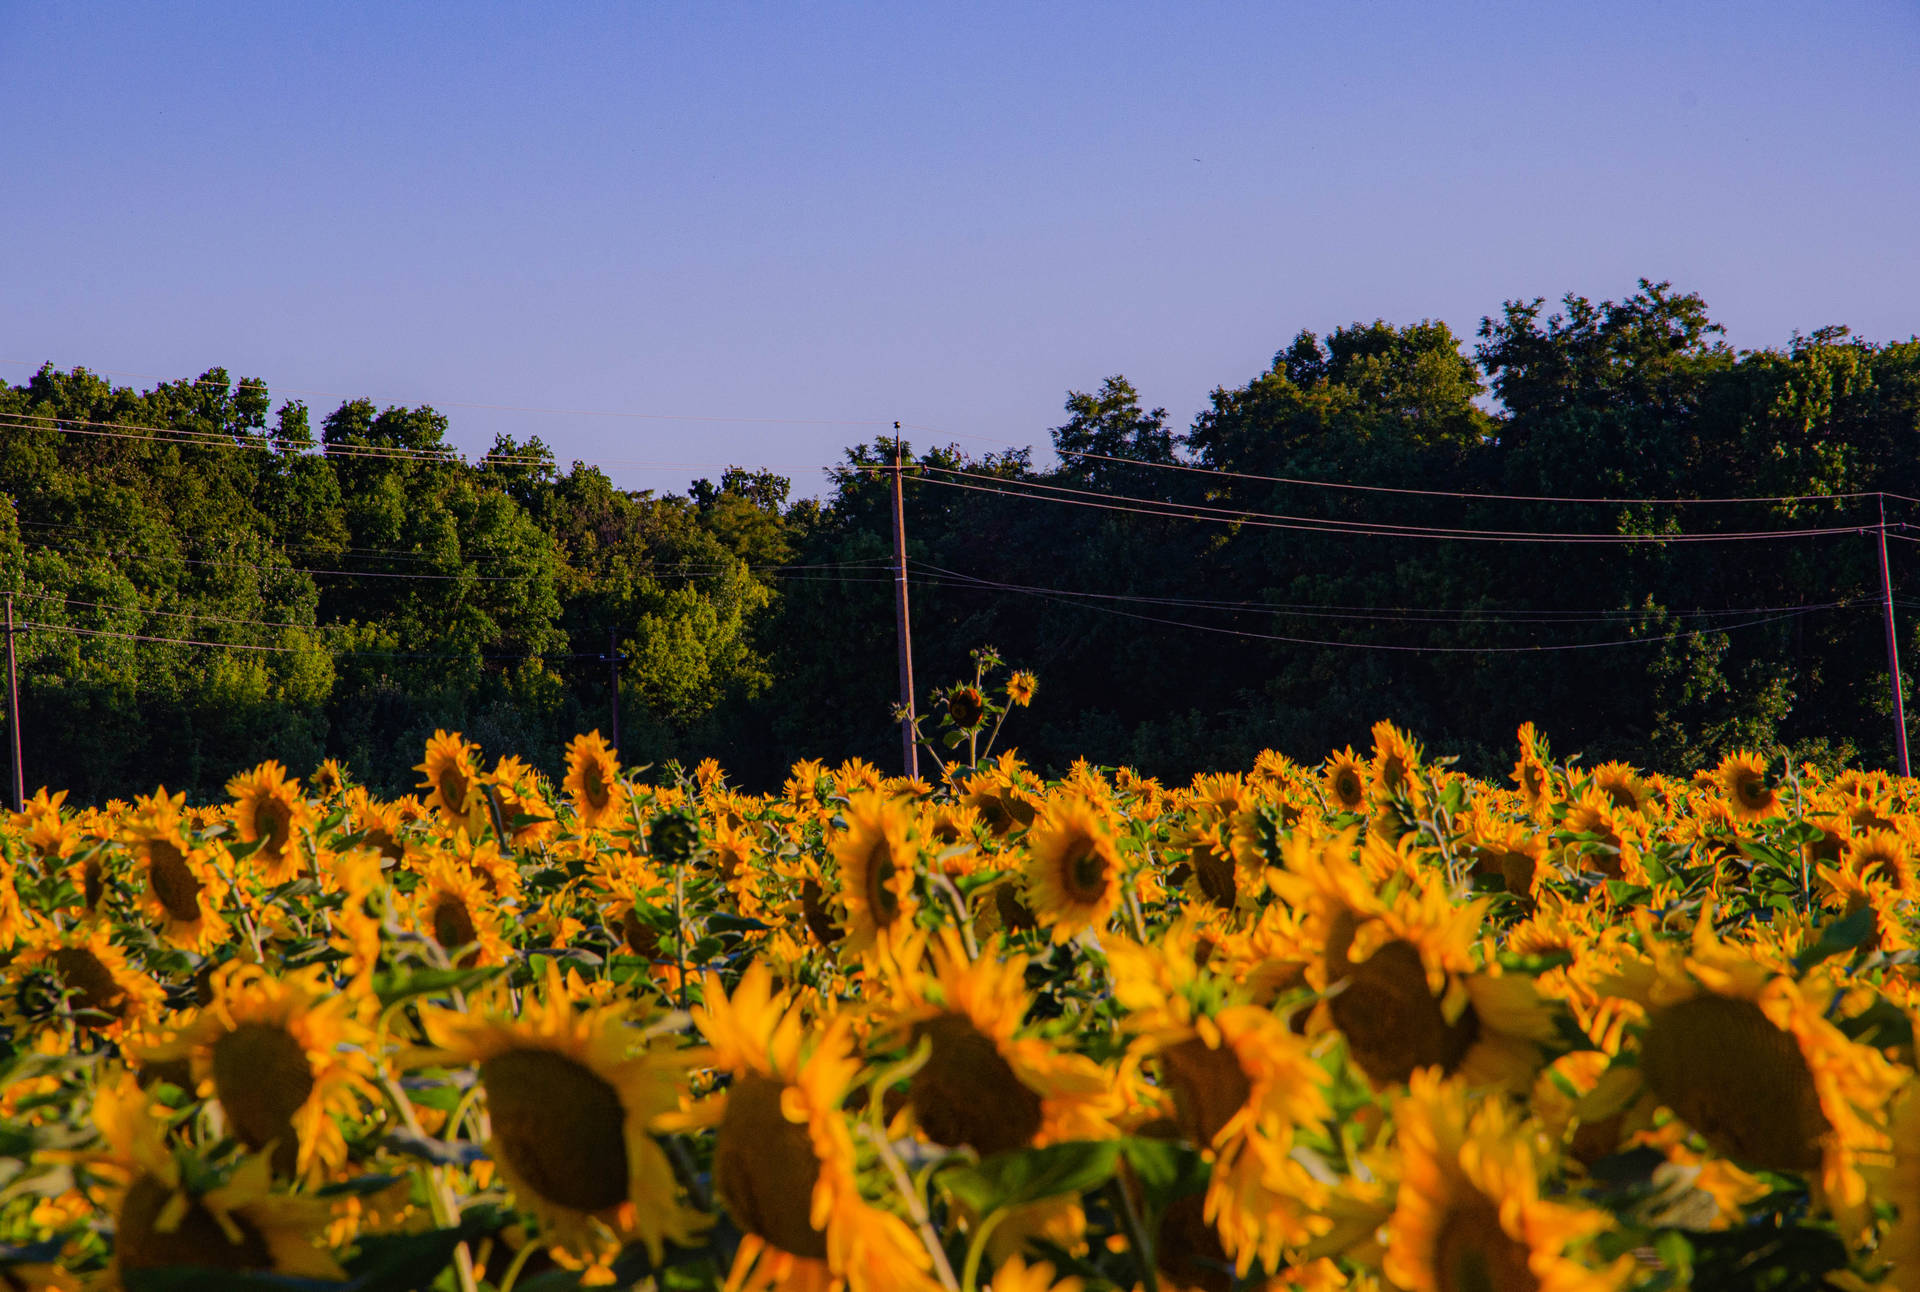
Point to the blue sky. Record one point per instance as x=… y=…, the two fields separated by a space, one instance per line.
x=948 y=215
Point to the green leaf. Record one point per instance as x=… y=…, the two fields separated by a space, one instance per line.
x=1167 y=1171
x=1843 y=934
x=1028 y=1175
x=402 y=983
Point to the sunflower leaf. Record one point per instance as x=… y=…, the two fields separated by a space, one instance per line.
x=400 y=984
x=1843 y=934
x=1027 y=1175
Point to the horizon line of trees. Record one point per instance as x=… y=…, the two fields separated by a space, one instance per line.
x=404 y=589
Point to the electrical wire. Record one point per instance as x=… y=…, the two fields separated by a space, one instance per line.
x=1430 y=650
x=1259 y=520
x=1405 y=614
x=1423 y=493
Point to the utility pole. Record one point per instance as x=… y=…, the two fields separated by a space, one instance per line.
x=613 y=679
x=909 y=752
x=13 y=716
x=1893 y=650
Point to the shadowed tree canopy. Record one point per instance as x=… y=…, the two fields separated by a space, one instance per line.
x=394 y=587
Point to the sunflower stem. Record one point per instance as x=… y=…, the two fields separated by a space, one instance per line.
x=1137 y=1237
x=977 y=1248
x=964 y=916
x=512 y=1275
x=916 y=1208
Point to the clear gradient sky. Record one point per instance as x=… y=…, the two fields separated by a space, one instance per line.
x=946 y=214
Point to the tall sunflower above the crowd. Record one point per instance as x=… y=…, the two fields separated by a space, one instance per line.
x=452 y=779
x=269 y=812
x=593 y=781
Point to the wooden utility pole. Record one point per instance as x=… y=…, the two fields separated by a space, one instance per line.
x=909 y=750
x=1893 y=650
x=613 y=678
x=13 y=716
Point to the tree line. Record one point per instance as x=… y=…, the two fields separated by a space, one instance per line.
x=402 y=588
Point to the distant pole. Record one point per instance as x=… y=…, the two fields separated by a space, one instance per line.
x=1893 y=650
x=613 y=679
x=13 y=716
x=909 y=753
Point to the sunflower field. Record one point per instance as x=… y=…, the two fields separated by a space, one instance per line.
x=1369 y=1024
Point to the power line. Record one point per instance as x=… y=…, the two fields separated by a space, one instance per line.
x=1263 y=520
x=1402 y=614
x=1195 y=468
x=1427 y=650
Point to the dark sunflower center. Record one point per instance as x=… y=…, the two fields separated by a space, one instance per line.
x=197 y=1240
x=274 y=820
x=1472 y=1253
x=452 y=924
x=966 y=1093
x=765 y=1168
x=1216 y=877
x=1347 y=788
x=560 y=1127
x=262 y=1077
x=593 y=784
x=1209 y=1087
x=453 y=788
x=93 y=882
x=819 y=921
x=1728 y=1072
x=1083 y=871
x=884 y=902
x=1392 y=1021
x=383 y=839
x=174 y=883
x=91 y=982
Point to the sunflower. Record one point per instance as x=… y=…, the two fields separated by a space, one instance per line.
x=1399 y=974
x=50 y=835
x=1073 y=868
x=1346 y=781
x=876 y=855
x=1506 y=850
x=184 y=890
x=514 y=794
x=1021 y=687
x=453 y=907
x=1241 y=1083
x=452 y=779
x=102 y=990
x=1468 y=1214
x=268 y=810
x=593 y=781
x=161 y=1220
x=984 y=1084
x=1622 y=786
x=1883 y=856
x=1742 y=777
x=575 y=1099
x=285 y=1056
x=15 y=919
x=1530 y=773
x=1751 y=1059
x=783 y=1157
x=1395 y=757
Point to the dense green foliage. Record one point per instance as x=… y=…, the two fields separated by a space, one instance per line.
x=411 y=590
